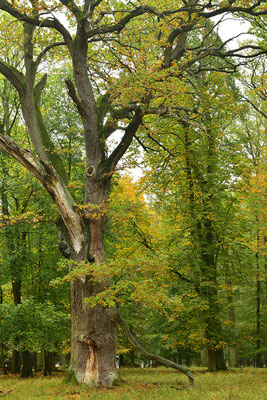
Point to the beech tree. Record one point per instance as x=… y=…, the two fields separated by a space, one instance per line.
x=82 y=228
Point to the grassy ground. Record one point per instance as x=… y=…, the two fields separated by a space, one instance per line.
x=148 y=384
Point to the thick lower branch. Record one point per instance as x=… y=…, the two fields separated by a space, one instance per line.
x=151 y=356
x=23 y=156
x=54 y=186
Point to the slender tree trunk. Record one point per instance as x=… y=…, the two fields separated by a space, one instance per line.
x=132 y=359
x=3 y=365
x=35 y=362
x=258 y=305
x=15 y=362
x=121 y=361
x=47 y=364
x=204 y=358
x=230 y=299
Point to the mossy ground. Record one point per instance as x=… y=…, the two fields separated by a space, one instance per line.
x=145 y=384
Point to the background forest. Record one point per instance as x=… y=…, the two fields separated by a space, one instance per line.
x=185 y=237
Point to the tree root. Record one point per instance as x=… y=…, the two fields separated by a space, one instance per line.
x=150 y=356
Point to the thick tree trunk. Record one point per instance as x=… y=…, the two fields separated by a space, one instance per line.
x=15 y=362
x=94 y=337
x=26 y=371
x=216 y=359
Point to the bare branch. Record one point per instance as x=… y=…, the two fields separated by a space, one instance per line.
x=252 y=10
x=126 y=140
x=254 y=106
x=149 y=356
x=120 y=25
x=46 y=49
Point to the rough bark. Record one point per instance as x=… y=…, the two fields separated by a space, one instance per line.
x=94 y=334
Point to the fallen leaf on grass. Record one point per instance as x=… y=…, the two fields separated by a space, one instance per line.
x=2 y=394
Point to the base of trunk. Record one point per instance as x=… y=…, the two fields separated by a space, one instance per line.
x=111 y=379
x=15 y=362
x=94 y=338
x=26 y=371
x=216 y=360
x=47 y=364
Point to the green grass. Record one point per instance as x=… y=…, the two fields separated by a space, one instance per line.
x=145 y=384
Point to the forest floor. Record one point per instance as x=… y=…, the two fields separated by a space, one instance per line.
x=145 y=384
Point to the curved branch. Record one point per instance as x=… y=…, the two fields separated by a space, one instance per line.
x=232 y=9
x=24 y=156
x=125 y=142
x=46 y=49
x=150 y=356
x=47 y=23
x=120 y=25
x=15 y=77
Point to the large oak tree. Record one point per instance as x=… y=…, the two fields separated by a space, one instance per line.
x=82 y=232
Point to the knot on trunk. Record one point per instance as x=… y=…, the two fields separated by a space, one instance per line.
x=98 y=172
x=90 y=171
